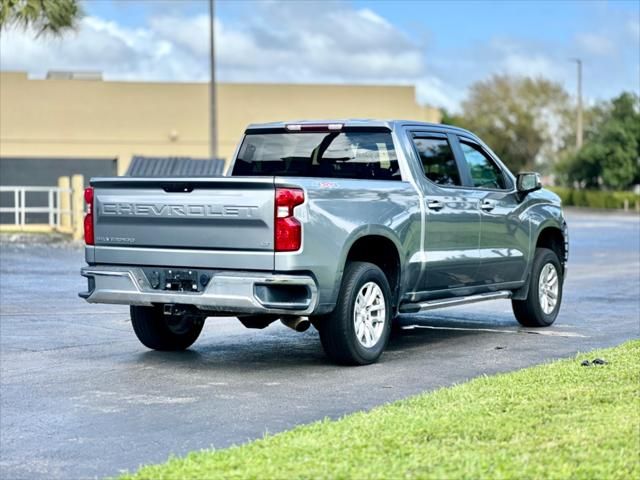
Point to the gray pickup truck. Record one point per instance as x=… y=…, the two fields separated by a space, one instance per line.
x=340 y=224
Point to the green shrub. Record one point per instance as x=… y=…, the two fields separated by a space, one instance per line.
x=620 y=197
x=564 y=193
x=595 y=198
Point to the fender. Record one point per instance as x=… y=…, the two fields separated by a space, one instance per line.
x=554 y=221
x=361 y=232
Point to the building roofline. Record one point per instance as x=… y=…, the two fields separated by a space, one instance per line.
x=39 y=76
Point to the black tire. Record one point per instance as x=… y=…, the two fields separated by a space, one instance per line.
x=529 y=312
x=165 y=332
x=337 y=329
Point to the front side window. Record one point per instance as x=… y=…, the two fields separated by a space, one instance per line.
x=438 y=161
x=345 y=154
x=484 y=172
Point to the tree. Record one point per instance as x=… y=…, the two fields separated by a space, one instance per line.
x=610 y=156
x=524 y=120
x=45 y=16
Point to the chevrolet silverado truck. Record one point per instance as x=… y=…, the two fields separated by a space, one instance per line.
x=344 y=225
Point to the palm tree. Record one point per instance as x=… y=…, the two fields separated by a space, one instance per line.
x=45 y=16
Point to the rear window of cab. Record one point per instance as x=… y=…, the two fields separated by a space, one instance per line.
x=355 y=154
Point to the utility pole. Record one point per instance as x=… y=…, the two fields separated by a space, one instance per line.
x=579 y=110
x=213 y=134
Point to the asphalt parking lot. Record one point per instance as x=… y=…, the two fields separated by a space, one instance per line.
x=80 y=397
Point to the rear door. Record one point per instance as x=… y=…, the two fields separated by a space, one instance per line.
x=452 y=231
x=504 y=237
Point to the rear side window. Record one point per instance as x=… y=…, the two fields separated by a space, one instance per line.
x=484 y=172
x=344 y=154
x=438 y=161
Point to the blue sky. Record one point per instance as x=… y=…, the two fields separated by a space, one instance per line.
x=441 y=47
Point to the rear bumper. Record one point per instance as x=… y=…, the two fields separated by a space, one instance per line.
x=227 y=291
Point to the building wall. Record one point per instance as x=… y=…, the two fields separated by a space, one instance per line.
x=104 y=119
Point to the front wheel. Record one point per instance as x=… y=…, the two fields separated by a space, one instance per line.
x=165 y=332
x=542 y=304
x=357 y=331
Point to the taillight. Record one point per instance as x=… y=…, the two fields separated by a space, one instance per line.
x=88 y=218
x=288 y=231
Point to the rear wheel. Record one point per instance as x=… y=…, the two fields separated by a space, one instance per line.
x=165 y=332
x=542 y=304
x=357 y=331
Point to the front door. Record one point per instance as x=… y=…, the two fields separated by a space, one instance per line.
x=504 y=237
x=450 y=254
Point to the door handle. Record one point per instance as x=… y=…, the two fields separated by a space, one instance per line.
x=488 y=205
x=435 y=205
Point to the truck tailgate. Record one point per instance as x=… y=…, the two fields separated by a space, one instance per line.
x=226 y=214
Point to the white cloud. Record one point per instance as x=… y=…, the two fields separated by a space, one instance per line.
x=514 y=58
x=595 y=44
x=319 y=42
x=311 y=44
x=119 y=52
x=374 y=17
x=433 y=91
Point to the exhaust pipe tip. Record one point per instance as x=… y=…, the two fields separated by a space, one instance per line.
x=303 y=325
x=299 y=324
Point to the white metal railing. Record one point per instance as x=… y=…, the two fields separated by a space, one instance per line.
x=20 y=209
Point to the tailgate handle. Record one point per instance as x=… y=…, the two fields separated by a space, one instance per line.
x=177 y=187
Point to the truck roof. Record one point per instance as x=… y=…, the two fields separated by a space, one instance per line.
x=359 y=122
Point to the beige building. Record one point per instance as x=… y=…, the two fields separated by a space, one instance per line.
x=98 y=120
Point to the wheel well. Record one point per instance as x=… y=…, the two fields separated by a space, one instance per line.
x=553 y=239
x=381 y=252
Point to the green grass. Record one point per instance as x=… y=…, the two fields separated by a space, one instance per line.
x=595 y=198
x=558 y=420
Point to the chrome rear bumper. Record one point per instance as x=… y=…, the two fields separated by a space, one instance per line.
x=227 y=291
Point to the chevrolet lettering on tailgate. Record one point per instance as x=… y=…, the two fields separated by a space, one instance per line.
x=185 y=210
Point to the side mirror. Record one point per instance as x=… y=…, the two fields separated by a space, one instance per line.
x=528 y=182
